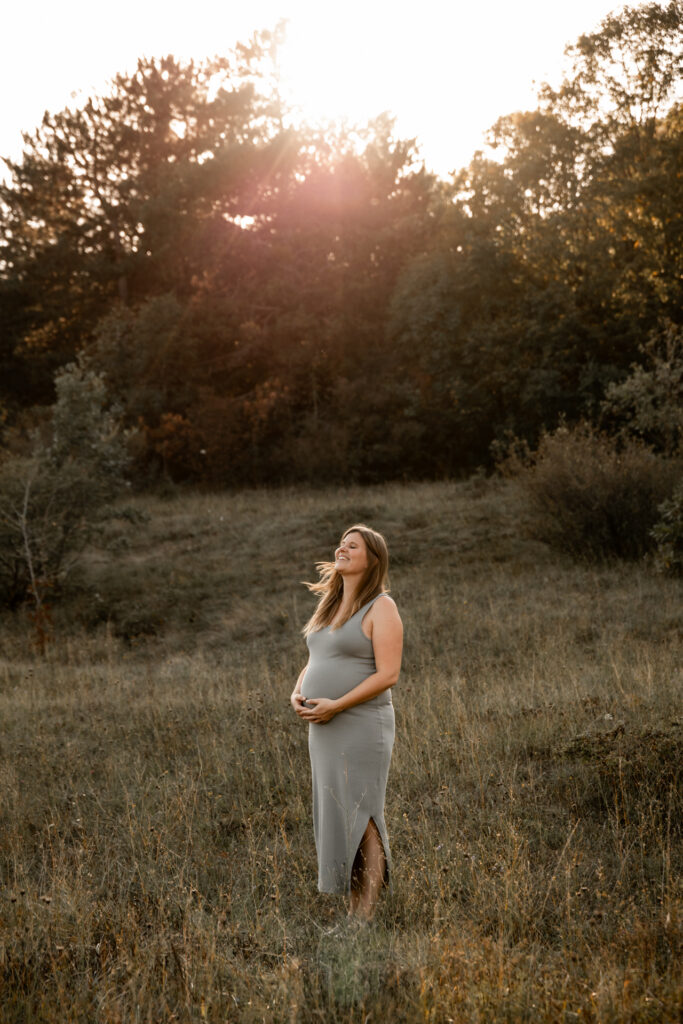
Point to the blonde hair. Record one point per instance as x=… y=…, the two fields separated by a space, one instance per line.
x=330 y=586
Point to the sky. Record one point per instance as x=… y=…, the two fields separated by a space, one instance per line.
x=445 y=69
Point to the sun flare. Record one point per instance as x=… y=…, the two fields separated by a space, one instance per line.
x=447 y=71
x=425 y=67
x=329 y=67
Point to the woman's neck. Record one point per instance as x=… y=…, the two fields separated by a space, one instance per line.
x=349 y=593
x=348 y=596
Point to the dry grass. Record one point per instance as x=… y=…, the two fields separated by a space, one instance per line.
x=157 y=850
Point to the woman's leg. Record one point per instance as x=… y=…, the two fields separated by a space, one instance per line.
x=367 y=876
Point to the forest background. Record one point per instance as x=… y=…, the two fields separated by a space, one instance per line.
x=269 y=305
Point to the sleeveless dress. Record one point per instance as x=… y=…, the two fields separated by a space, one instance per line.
x=350 y=754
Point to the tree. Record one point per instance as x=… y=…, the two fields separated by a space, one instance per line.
x=52 y=498
x=230 y=382
x=260 y=297
x=558 y=259
x=648 y=404
x=133 y=194
x=229 y=275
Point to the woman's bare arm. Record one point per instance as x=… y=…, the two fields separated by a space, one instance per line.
x=387 y=644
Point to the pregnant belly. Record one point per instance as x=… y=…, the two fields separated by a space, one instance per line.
x=334 y=681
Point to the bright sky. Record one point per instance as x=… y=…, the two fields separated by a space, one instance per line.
x=445 y=68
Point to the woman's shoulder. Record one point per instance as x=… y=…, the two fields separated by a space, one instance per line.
x=384 y=606
x=383 y=620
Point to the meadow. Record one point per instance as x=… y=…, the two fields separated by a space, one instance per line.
x=157 y=856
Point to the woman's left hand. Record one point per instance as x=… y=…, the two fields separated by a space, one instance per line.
x=323 y=710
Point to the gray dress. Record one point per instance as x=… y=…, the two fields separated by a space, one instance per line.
x=350 y=754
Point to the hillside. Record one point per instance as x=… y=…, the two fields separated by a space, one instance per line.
x=158 y=858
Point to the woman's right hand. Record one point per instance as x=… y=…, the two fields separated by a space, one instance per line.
x=296 y=700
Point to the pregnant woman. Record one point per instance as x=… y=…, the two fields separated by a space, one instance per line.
x=355 y=641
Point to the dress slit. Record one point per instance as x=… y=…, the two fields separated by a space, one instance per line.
x=386 y=880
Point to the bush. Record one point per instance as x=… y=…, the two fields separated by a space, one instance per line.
x=668 y=534
x=51 y=500
x=594 y=497
x=648 y=404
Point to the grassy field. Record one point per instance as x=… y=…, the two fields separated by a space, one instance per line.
x=156 y=838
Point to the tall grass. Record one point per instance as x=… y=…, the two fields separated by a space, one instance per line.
x=157 y=850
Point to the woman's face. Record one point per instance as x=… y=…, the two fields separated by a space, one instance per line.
x=351 y=557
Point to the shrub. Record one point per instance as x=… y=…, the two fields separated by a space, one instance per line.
x=51 y=499
x=668 y=534
x=594 y=497
x=648 y=404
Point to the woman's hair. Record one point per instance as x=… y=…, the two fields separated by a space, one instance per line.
x=330 y=586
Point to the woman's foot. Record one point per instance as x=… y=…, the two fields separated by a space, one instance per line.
x=351 y=924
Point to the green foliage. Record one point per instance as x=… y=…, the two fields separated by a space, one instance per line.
x=626 y=70
x=271 y=304
x=134 y=193
x=85 y=431
x=594 y=498
x=249 y=378
x=668 y=534
x=52 y=500
x=649 y=402
x=577 y=226
x=560 y=255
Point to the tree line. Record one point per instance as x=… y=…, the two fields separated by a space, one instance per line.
x=269 y=303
